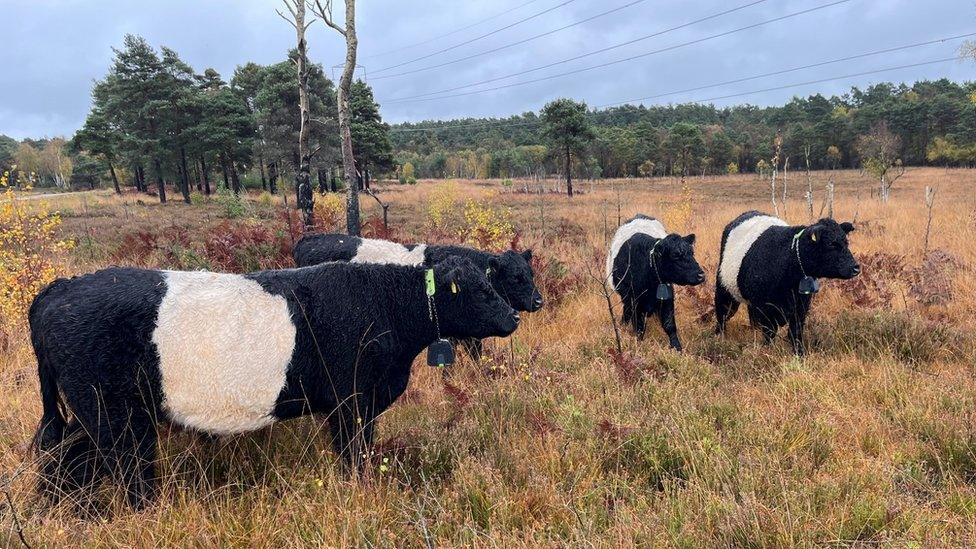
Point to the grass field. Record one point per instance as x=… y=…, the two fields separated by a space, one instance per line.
x=554 y=439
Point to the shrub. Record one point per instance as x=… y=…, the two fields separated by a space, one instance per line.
x=265 y=199
x=244 y=247
x=554 y=278
x=329 y=210
x=31 y=255
x=233 y=205
x=407 y=174
x=442 y=209
x=197 y=198
x=486 y=227
x=373 y=227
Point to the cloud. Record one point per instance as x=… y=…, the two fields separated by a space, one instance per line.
x=57 y=48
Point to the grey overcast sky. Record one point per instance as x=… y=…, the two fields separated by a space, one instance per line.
x=53 y=50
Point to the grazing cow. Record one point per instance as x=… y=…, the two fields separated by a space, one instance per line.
x=644 y=261
x=509 y=273
x=123 y=348
x=772 y=268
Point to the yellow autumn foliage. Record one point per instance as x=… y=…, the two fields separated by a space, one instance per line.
x=31 y=254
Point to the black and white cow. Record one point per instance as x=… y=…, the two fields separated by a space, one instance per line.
x=510 y=273
x=123 y=348
x=764 y=262
x=642 y=258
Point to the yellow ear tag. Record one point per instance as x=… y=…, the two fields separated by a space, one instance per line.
x=454 y=288
x=813 y=237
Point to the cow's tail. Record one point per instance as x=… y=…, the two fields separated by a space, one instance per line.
x=51 y=430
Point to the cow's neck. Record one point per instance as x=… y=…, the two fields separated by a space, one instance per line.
x=410 y=314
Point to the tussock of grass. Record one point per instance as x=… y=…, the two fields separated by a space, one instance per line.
x=874 y=334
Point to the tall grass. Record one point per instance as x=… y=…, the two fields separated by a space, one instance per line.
x=870 y=439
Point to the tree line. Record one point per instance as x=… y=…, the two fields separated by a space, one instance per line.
x=155 y=124
x=928 y=122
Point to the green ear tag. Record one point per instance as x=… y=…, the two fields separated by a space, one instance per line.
x=429 y=277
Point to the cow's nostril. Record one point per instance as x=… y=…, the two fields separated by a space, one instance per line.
x=517 y=317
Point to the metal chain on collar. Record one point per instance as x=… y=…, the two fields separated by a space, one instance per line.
x=654 y=263
x=796 y=246
x=431 y=309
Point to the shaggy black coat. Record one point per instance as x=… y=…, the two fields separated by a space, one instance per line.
x=358 y=330
x=770 y=275
x=636 y=279
x=510 y=273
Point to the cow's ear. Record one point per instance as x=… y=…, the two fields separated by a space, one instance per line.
x=690 y=239
x=847 y=227
x=527 y=254
x=814 y=232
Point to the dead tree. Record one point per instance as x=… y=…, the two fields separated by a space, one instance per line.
x=324 y=11
x=303 y=178
x=806 y=156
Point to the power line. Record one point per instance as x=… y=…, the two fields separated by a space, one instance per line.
x=727 y=96
x=452 y=33
x=822 y=80
x=513 y=44
x=422 y=97
x=475 y=39
x=793 y=69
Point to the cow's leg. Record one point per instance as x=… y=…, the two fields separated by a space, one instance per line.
x=639 y=322
x=126 y=439
x=665 y=312
x=352 y=429
x=628 y=313
x=72 y=467
x=760 y=317
x=797 y=321
x=725 y=307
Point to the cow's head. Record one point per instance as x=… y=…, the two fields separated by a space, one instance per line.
x=824 y=250
x=511 y=275
x=674 y=257
x=467 y=305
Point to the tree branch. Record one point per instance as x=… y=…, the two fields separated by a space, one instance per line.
x=289 y=21
x=325 y=13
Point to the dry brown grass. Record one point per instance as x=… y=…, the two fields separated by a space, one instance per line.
x=870 y=439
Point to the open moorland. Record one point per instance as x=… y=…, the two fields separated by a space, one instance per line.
x=557 y=437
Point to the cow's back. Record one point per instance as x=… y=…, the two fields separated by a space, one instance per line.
x=738 y=239
x=323 y=248
x=639 y=224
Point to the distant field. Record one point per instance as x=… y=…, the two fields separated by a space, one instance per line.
x=870 y=439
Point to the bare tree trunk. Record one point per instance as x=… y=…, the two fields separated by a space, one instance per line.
x=264 y=180
x=786 y=170
x=115 y=178
x=205 y=172
x=348 y=161
x=273 y=177
x=806 y=154
x=569 y=173
x=223 y=168
x=303 y=181
x=235 y=180
x=345 y=83
x=186 y=176
x=159 y=180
